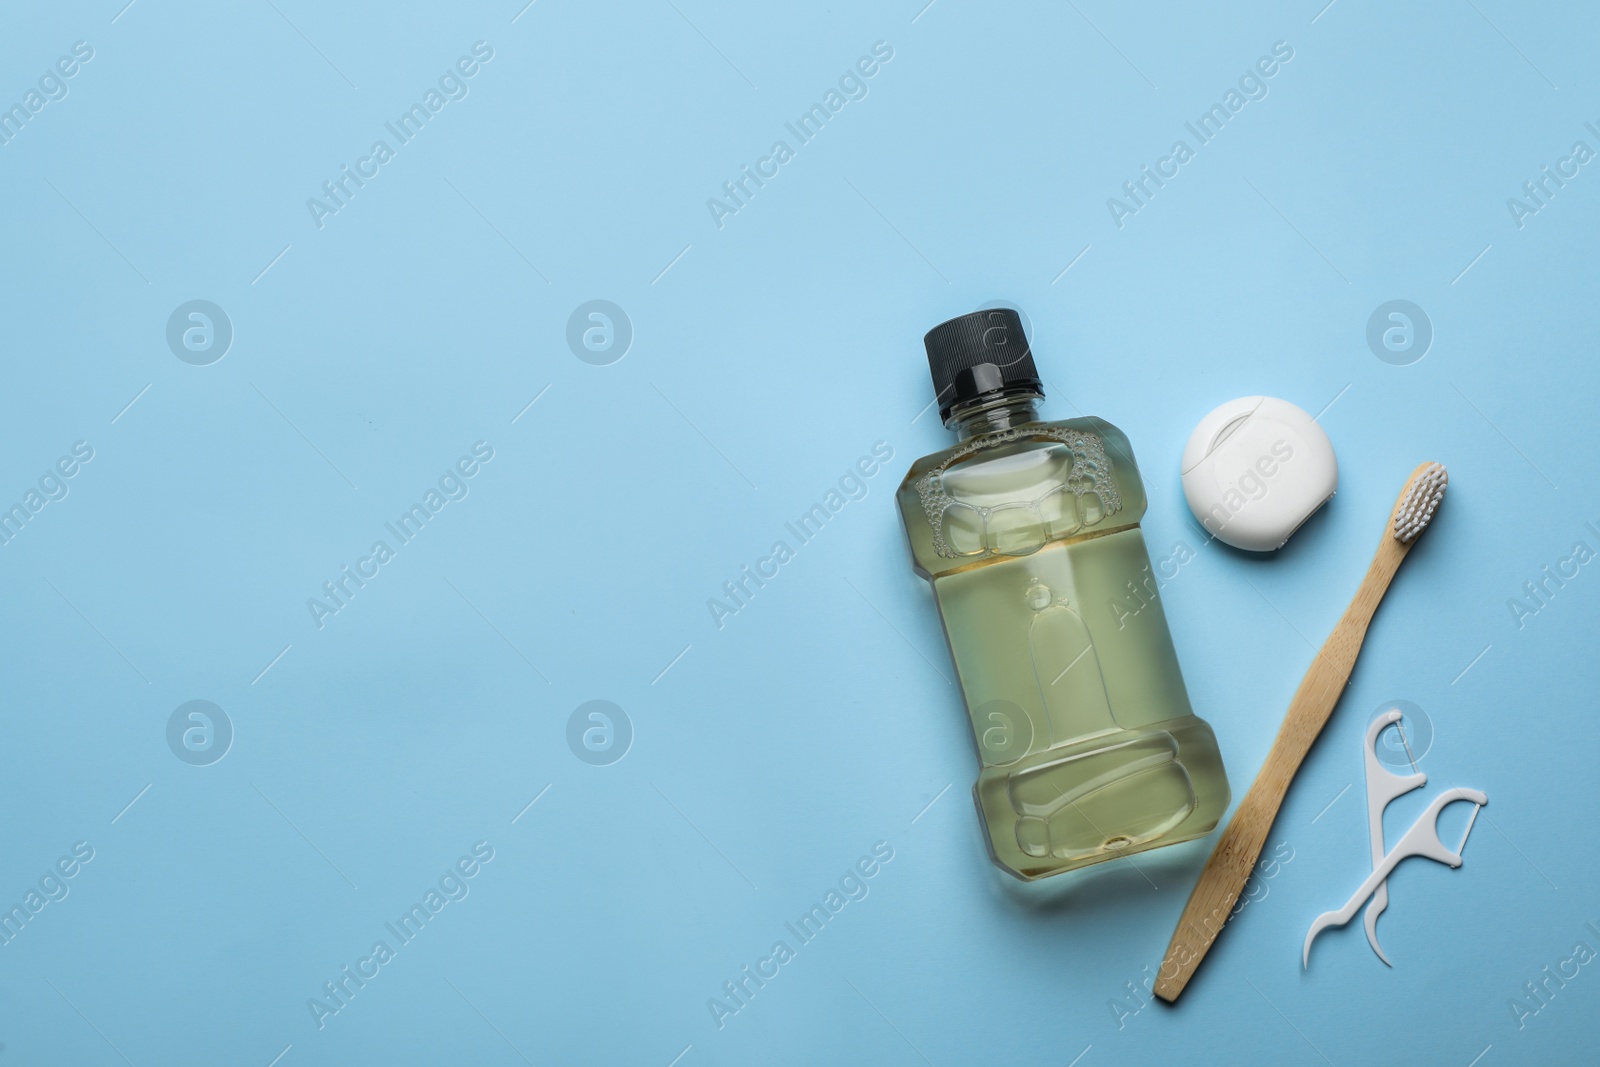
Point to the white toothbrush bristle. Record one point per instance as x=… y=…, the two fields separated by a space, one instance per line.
x=1416 y=510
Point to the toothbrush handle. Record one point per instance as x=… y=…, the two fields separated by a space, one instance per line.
x=1240 y=846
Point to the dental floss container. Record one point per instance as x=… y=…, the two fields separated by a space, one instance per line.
x=1255 y=469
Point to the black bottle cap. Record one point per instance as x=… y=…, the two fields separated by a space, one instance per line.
x=984 y=352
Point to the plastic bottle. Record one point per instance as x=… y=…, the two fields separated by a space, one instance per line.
x=1029 y=533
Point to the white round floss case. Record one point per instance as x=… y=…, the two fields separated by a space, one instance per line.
x=1255 y=469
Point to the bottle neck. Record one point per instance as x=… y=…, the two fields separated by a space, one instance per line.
x=990 y=414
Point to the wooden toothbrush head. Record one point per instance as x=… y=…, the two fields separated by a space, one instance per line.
x=1414 y=508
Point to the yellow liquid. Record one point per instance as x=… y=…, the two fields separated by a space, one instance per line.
x=1088 y=745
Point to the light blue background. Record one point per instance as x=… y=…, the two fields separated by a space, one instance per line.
x=768 y=356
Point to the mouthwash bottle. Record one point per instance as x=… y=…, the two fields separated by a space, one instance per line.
x=1029 y=533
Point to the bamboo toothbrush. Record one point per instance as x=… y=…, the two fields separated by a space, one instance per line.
x=1240 y=845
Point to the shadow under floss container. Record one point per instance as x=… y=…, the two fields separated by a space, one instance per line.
x=1029 y=533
